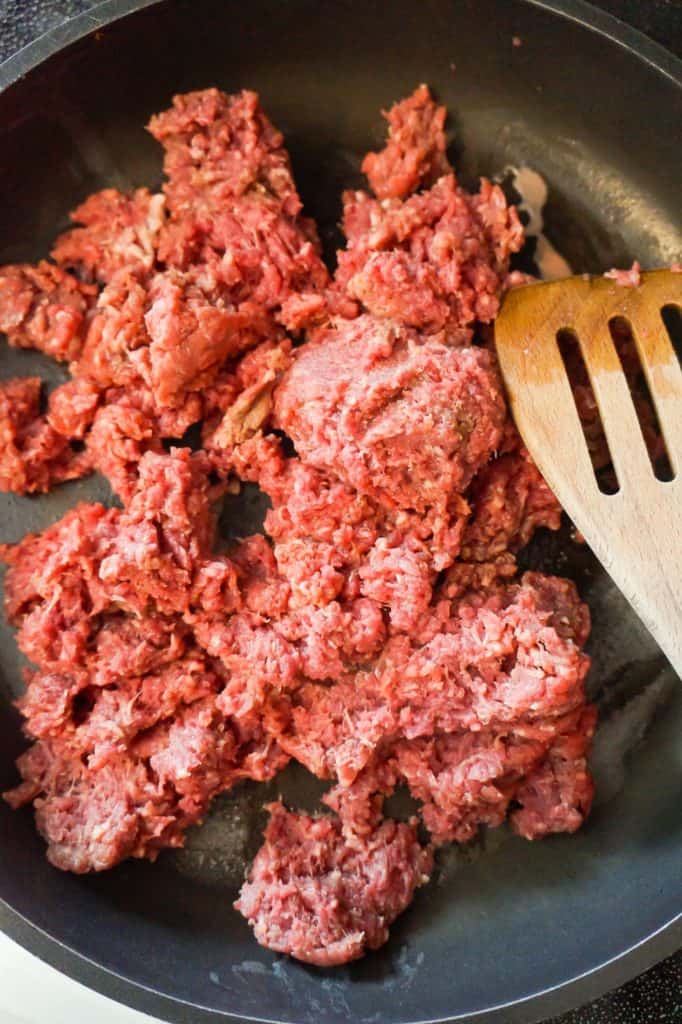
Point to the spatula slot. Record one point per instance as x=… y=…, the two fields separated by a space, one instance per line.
x=672 y=319
x=626 y=347
x=588 y=410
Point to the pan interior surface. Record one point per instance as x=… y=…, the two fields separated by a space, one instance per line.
x=503 y=920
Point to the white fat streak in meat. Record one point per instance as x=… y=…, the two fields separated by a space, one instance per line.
x=532 y=188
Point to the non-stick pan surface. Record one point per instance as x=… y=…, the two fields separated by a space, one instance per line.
x=508 y=931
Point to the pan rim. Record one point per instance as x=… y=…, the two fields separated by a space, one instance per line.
x=557 y=999
x=550 y=1002
x=107 y=11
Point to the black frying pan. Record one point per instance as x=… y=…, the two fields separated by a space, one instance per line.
x=509 y=931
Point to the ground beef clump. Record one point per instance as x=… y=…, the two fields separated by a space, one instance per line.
x=141 y=794
x=116 y=232
x=437 y=261
x=131 y=743
x=34 y=455
x=323 y=897
x=379 y=632
x=235 y=214
x=415 y=151
x=403 y=419
x=510 y=656
x=509 y=501
x=45 y=308
x=161 y=295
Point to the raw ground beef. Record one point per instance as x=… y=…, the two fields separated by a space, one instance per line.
x=33 y=454
x=160 y=294
x=140 y=795
x=404 y=419
x=131 y=741
x=117 y=232
x=71 y=407
x=509 y=501
x=439 y=261
x=626 y=278
x=415 y=151
x=510 y=656
x=325 y=897
x=378 y=632
x=45 y=308
x=235 y=214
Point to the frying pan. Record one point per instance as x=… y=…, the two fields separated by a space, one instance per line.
x=508 y=931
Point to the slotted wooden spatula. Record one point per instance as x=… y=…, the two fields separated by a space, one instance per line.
x=637 y=532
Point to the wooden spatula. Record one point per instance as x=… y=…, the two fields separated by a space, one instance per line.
x=637 y=532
